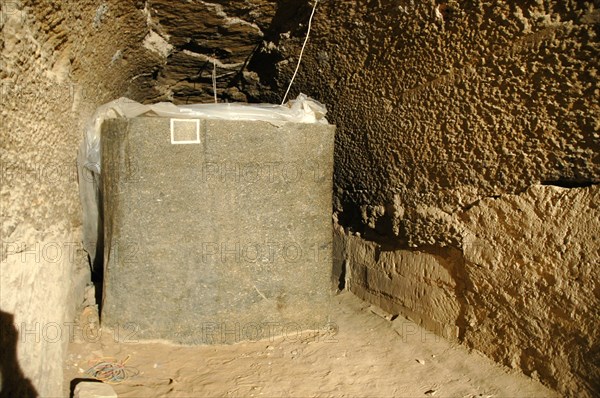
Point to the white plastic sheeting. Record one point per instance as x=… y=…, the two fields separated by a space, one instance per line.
x=301 y=110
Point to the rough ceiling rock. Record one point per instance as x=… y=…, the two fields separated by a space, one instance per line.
x=235 y=38
x=439 y=107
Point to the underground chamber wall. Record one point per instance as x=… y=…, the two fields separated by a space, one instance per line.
x=477 y=115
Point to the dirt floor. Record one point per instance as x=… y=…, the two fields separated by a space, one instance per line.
x=368 y=356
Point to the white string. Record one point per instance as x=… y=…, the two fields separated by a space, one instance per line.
x=214 y=79
x=301 y=52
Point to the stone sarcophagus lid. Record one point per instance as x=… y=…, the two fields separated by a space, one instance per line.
x=216 y=231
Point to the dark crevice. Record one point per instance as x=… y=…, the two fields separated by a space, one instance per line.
x=238 y=79
x=219 y=53
x=98 y=264
x=342 y=278
x=265 y=63
x=569 y=183
x=289 y=17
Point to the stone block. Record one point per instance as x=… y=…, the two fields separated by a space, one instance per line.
x=216 y=231
x=88 y=389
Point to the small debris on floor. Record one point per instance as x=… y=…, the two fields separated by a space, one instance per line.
x=111 y=370
x=90 y=389
x=363 y=349
x=379 y=312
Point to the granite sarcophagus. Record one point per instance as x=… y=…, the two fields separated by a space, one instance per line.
x=216 y=231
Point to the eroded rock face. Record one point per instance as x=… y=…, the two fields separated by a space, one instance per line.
x=443 y=108
x=531 y=283
x=524 y=289
x=193 y=38
x=59 y=61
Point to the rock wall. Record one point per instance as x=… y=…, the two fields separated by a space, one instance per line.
x=467 y=155
x=59 y=61
x=467 y=164
x=523 y=289
x=456 y=122
x=532 y=282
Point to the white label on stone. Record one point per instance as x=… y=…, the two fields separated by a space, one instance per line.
x=185 y=131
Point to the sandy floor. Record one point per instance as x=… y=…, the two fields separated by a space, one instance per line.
x=368 y=357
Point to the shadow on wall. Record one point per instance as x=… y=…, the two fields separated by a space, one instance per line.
x=290 y=17
x=75 y=382
x=14 y=382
